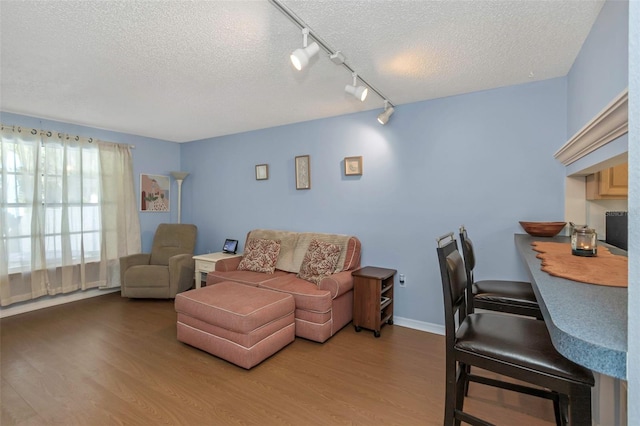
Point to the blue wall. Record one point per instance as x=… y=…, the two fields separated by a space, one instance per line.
x=152 y=156
x=484 y=160
x=601 y=69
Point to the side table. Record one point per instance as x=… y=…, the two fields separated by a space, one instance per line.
x=372 y=298
x=207 y=262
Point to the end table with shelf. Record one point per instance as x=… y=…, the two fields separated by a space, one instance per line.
x=206 y=263
x=372 y=298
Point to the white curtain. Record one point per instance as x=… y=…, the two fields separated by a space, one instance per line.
x=68 y=213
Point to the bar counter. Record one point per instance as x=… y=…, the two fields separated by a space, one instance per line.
x=587 y=322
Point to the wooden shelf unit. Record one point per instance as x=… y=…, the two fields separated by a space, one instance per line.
x=372 y=298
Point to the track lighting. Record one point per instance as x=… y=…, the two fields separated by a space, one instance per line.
x=300 y=57
x=359 y=92
x=383 y=117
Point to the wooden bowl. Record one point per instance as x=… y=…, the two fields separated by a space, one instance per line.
x=543 y=229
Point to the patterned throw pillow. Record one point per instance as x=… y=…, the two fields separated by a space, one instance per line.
x=319 y=261
x=260 y=255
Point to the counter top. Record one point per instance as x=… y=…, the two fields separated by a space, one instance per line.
x=587 y=322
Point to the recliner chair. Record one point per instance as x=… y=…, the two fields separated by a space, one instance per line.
x=167 y=270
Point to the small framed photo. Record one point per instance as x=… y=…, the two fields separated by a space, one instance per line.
x=303 y=172
x=262 y=172
x=353 y=166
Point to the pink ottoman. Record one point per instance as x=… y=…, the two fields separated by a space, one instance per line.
x=241 y=324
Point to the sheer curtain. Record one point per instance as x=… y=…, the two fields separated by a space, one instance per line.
x=68 y=213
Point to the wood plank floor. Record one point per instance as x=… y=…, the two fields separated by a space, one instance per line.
x=115 y=361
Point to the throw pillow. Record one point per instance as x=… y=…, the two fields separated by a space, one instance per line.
x=260 y=255
x=319 y=261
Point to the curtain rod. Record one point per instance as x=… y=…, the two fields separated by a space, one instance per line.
x=50 y=133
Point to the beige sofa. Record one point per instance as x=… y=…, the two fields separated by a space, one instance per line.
x=321 y=309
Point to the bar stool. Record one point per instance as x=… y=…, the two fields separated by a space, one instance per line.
x=512 y=346
x=514 y=297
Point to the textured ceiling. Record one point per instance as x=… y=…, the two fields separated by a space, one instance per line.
x=182 y=71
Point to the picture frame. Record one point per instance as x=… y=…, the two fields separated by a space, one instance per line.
x=303 y=172
x=154 y=193
x=262 y=171
x=353 y=166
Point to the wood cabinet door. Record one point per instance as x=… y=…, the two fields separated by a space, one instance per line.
x=615 y=181
x=609 y=184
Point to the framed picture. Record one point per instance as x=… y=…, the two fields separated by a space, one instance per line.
x=154 y=193
x=353 y=166
x=303 y=172
x=262 y=172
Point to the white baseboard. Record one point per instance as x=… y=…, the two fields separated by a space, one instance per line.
x=49 y=301
x=419 y=325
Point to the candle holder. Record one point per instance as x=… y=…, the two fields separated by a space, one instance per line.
x=584 y=242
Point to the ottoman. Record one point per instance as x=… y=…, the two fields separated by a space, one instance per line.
x=238 y=323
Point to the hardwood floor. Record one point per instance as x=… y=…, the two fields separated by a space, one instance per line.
x=110 y=360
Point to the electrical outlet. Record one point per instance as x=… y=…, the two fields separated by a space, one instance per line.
x=402 y=280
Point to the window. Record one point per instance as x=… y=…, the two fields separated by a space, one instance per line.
x=68 y=200
x=54 y=211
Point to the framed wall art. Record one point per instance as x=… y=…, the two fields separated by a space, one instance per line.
x=262 y=171
x=303 y=172
x=154 y=193
x=353 y=166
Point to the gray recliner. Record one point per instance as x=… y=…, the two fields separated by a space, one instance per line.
x=167 y=270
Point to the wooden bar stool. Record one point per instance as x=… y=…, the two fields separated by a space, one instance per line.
x=509 y=345
x=514 y=297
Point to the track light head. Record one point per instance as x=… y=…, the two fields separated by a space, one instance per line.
x=383 y=117
x=300 y=57
x=359 y=92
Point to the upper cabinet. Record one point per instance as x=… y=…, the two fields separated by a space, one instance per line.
x=609 y=184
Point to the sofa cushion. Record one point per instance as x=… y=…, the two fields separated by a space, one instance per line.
x=260 y=255
x=287 y=240
x=312 y=316
x=304 y=240
x=151 y=276
x=306 y=295
x=319 y=261
x=244 y=277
